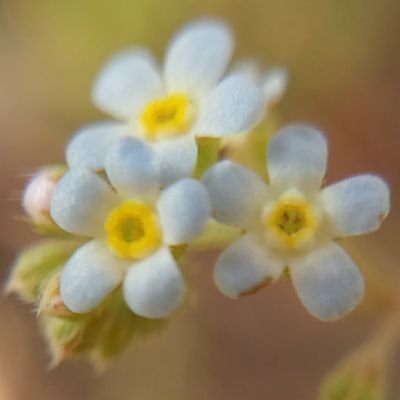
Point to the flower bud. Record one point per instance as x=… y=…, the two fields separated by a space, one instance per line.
x=37 y=195
x=50 y=299
x=36 y=264
x=361 y=375
x=68 y=337
x=117 y=327
x=101 y=334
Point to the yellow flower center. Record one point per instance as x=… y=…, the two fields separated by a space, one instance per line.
x=292 y=222
x=168 y=116
x=132 y=230
x=291 y=219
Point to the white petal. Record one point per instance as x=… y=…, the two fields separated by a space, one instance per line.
x=234 y=106
x=356 y=205
x=245 y=266
x=132 y=168
x=247 y=67
x=184 y=208
x=154 y=287
x=81 y=202
x=89 y=275
x=126 y=82
x=297 y=157
x=328 y=282
x=197 y=56
x=89 y=145
x=275 y=84
x=176 y=158
x=237 y=194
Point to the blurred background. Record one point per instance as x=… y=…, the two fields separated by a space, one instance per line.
x=344 y=63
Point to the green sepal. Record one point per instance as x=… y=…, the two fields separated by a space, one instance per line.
x=117 y=325
x=50 y=301
x=215 y=235
x=101 y=334
x=250 y=149
x=178 y=251
x=68 y=337
x=207 y=154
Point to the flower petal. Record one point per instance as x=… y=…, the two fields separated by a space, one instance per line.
x=132 y=168
x=245 y=266
x=197 y=56
x=356 y=205
x=275 y=84
x=89 y=145
x=154 y=287
x=248 y=67
x=328 y=282
x=81 y=202
x=126 y=82
x=237 y=194
x=297 y=157
x=176 y=158
x=184 y=209
x=234 y=106
x=89 y=275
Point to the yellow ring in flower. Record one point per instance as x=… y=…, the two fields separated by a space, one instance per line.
x=167 y=116
x=132 y=230
x=293 y=222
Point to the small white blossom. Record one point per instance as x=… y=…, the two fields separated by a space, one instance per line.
x=132 y=225
x=293 y=223
x=170 y=108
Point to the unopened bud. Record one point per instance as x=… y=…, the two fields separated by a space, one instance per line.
x=117 y=327
x=50 y=299
x=361 y=375
x=101 y=334
x=36 y=264
x=37 y=195
x=67 y=337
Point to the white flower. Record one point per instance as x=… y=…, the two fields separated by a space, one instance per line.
x=169 y=109
x=132 y=224
x=293 y=223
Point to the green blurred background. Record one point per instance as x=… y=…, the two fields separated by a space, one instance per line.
x=344 y=64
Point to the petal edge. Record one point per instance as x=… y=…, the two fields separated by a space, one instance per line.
x=328 y=282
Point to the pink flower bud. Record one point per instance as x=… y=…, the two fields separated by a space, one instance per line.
x=37 y=195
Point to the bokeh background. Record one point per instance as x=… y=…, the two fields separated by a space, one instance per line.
x=344 y=64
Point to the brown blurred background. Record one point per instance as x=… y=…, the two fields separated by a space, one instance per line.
x=344 y=64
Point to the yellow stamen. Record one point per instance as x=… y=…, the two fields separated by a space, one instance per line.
x=292 y=221
x=132 y=230
x=168 y=116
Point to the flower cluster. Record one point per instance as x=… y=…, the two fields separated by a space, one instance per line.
x=138 y=190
